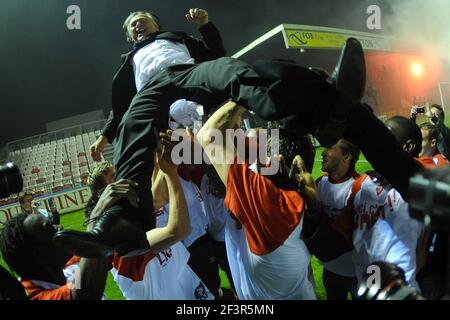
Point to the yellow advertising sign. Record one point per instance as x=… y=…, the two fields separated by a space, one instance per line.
x=298 y=38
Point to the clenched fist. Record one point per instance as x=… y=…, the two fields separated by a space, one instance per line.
x=198 y=17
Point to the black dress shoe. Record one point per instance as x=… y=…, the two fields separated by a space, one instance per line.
x=349 y=79
x=110 y=234
x=349 y=75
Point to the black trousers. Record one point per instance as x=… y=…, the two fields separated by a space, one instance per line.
x=203 y=262
x=338 y=287
x=276 y=91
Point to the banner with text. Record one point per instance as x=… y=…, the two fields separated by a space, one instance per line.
x=65 y=202
x=297 y=38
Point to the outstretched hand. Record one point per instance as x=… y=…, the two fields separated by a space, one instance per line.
x=198 y=17
x=163 y=153
x=115 y=191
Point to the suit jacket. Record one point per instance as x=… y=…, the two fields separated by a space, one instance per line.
x=124 y=87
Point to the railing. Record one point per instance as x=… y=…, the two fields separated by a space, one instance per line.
x=66 y=182
x=54 y=135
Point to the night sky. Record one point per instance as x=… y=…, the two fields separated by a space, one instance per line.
x=49 y=72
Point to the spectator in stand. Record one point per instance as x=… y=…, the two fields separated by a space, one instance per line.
x=436 y=115
x=29 y=205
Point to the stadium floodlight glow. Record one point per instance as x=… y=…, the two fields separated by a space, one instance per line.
x=417 y=69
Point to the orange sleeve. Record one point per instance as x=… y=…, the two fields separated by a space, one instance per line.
x=268 y=213
x=442 y=161
x=426 y=162
x=35 y=292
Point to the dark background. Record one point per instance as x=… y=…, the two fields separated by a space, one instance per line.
x=49 y=72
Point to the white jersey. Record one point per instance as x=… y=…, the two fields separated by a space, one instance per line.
x=197 y=216
x=277 y=274
x=216 y=212
x=162 y=276
x=333 y=197
x=157 y=56
x=283 y=274
x=383 y=229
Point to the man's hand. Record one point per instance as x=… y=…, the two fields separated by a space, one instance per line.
x=307 y=186
x=113 y=192
x=198 y=17
x=414 y=112
x=97 y=148
x=428 y=112
x=300 y=174
x=163 y=154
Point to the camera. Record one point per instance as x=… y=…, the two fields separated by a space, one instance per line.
x=429 y=198
x=10 y=179
x=420 y=109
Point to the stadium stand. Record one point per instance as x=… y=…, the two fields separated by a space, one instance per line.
x=56 y=161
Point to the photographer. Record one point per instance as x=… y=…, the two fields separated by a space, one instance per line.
x=29 y=205
x=437 y=116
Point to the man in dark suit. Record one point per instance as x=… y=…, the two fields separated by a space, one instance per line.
x=153 y=51
x=309 y=102
x=149 y=55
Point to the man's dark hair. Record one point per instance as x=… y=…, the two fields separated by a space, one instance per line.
x=349 y=148
x=289 y=147
x=23 y=196
x=17 y=248
x=433 y=132
x=405 y=129
x=441 y=113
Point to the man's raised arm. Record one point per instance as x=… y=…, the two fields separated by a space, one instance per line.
x=212 y=137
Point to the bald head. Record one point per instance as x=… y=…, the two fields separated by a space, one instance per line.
x=407 y=133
